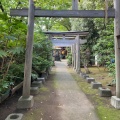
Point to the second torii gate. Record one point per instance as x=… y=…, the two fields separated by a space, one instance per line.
x=26 y=101
x=76 y=41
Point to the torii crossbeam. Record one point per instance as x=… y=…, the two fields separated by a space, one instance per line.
x=65 y=13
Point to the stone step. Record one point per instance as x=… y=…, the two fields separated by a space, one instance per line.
x=36 y=84
x=89 y=80
x=34 y=90
x=41 y=79
x=104 y=92
x=85 y=76
x=96 y=85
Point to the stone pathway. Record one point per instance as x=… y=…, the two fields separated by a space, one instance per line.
x=60 y=98
x=72 y=101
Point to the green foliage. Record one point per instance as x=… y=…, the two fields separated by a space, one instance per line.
x=69 y=62
x=16 y=73
x=105 y=49
x=12 y=47
x=53 y=4
x=40 y=63
x=4 y=85
x=69 y=56
x=100 y=40
x=3 y=53
x=42 y=50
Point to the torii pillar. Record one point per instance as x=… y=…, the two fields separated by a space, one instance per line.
x=115 y=100
x=75 y=7
x=75 y=4
x=77 y=54
x=26 y=100
x=74 y=49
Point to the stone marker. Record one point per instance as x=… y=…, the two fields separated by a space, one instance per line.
x=96 y=85
x=36 y=84
x=41 y=79
x=34 y=90
x=85 y=76
x=104 y=92
x=15 y=116
x=81 y=74
x=89 y=80
x=45 y=75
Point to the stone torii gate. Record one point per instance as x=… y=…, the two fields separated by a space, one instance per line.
x=26 y=101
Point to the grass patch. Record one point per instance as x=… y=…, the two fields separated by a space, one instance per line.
x=106 y=113
x=102 y=104
x=44 y=89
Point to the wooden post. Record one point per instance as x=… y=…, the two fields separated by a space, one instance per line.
x=29 y=50
x=63 y=37
x=74 y=56
x=115 y=100
x=74 y=4
x=117 y=42
x=26 y=100
x=77 y=54
x=49 y=37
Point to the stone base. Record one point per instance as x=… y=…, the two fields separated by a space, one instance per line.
x=24 y=103
x=115 y=102
x=96 y=85
x=85 y=76
x=104 y=92
x=34 y=90
x=78 y=71
x=36 y=84
x=41 y=79
x=15 y=116
x=74 y=69
x=49 y=70
x=45 y=75
x=81 y=74
x=89 y=80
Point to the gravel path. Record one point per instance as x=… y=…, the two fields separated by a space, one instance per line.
x=73 y=102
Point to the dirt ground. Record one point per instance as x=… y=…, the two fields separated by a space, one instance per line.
x=9 y=105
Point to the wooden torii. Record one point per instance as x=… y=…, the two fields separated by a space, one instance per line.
x=26 y=101
x=75 y=46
